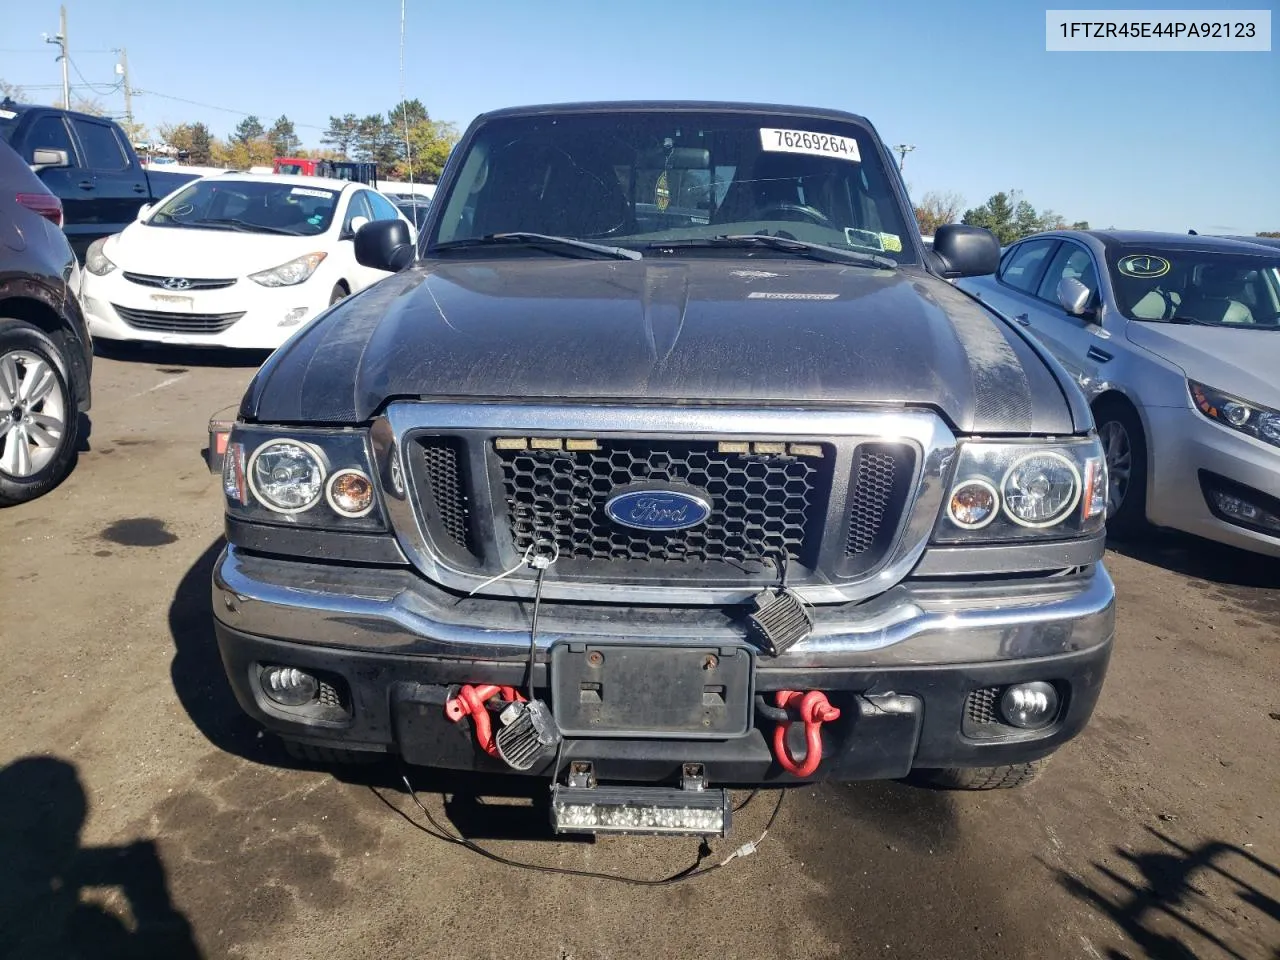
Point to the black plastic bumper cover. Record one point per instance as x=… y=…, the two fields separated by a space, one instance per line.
x=893 y=719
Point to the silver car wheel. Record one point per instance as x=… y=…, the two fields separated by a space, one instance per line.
x=1119 y=453
x=33 y=414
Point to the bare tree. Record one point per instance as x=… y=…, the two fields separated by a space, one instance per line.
x=936 y=209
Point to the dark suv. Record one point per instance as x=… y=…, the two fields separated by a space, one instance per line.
x=45 y=351
x=669 y=457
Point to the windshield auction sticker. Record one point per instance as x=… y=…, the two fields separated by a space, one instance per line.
x=814 y=144
x=1144 y=266
x=309 y=192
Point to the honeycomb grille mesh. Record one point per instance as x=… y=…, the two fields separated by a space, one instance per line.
x=442 y=456
x=980 y=705
x=874 y=493
x=330 y=697
x=764 y=504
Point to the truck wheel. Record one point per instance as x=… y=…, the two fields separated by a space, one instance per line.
x=988 y=778
x=328 y=755
x=1125 y=447
x=39 y=416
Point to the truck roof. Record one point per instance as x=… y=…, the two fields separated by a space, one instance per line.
x=670 y=106
x=20 y=108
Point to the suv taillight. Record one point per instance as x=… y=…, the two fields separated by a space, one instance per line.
x=45 y=204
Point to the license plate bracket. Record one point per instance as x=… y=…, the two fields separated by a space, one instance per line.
x=622 y=690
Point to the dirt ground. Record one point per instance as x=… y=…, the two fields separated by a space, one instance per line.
x=142 y=815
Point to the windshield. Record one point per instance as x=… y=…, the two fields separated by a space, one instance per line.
x=259 y=207
x=632 y=179
x=1193 y=286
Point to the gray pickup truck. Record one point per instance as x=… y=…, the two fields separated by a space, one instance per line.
x=667 y=460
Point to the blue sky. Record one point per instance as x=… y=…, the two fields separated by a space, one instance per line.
x=1142 y=140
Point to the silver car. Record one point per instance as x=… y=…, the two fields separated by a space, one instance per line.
x=1175 y=340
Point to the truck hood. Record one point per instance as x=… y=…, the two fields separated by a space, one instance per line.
x=1234 y=359
x=715 y=330
x=192 y=252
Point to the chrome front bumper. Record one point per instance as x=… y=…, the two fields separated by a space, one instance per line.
x=395 y=611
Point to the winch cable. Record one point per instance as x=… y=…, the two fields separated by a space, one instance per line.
x=533 y=629
x=688 y=873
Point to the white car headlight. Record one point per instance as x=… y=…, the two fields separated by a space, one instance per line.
x=95 y=261
x=287 y=274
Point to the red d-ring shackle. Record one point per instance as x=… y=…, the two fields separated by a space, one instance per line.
x=814 y=710
x=470 y=703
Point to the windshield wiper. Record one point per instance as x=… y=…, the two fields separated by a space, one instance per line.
x=543 y=241
x=815 y=251
x=243 y=226
x=1196 y=320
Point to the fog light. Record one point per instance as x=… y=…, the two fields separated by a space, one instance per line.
x=289 y=686
x=293 y=316
x=1029 y=705
x=1236 y=508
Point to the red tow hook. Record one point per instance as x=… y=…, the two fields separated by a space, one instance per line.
x=814 y=710
x=470 y=703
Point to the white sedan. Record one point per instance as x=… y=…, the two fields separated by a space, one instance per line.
x=234 y=260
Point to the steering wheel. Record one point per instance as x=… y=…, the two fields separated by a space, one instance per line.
x=809 y=213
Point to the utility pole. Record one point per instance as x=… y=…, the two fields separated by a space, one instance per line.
x=122 y=68
x=903 y=149
x=61 y=41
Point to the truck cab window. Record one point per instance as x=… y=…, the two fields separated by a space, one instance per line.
x=50 y=133
x=102 y=151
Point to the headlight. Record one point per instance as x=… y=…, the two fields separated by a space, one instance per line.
x=287 y=274
x=316 y=478
x=95 y=261
x=286 y=476
x=1261 y=423
x=1026 y=490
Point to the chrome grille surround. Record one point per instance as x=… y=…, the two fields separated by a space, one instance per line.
x=832 y=581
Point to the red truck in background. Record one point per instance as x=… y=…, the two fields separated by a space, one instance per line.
x=335 y=169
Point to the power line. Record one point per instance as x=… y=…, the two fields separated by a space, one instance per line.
x=211 y=106
x=110 y=88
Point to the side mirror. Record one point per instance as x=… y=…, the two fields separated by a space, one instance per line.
x=144 y=210
x=385 y=245
x=1074 y=296
x=43 y=159
x=966 y=251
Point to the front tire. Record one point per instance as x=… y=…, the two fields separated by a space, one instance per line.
x=339 y=292
x=1125 y=447
x=39 y=416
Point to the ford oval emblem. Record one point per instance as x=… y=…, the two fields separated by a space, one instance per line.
x=657 y=509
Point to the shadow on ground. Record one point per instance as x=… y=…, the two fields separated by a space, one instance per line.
x=202 y=688
x=170 y=356
x=45 y=871
x=1173 y=894
x=1202 y=559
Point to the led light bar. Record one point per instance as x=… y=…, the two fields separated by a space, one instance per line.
x=643 y=810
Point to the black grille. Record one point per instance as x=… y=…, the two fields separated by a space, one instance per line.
x=442 y=459
x=875 y=489
x=980 y=706
x=760 y=504
x=169 y=322
x=151 y=280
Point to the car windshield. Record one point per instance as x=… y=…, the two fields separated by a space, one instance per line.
x=633 y=179
x=251 y=206
x=1194 y=286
